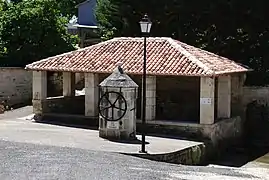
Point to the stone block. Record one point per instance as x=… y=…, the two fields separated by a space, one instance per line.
x=39 y=85
x=207 y=109
x=64 y=105
x=37 y=107
x=68 y=84
x=91 y=94
x=151 y=93
x=224 y=97
x=150 y=112
x=91 y=80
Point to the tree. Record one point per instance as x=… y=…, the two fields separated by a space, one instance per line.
x=3 y=5
x=16 y=1
x=32 y=30
x=236 y=29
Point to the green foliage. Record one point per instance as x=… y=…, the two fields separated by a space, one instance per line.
x=237 y=29
x=31 y=30
x=3 y=5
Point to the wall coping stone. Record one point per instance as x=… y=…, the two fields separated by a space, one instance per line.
x=174 y=123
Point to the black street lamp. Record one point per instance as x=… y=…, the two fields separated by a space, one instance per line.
x=145 y=25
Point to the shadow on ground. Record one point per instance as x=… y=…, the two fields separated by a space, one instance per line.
x=175 y=137
x=66 y=124
x=137 y=141
x=240 y=156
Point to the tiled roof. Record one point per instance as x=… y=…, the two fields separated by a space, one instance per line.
x=165 y=56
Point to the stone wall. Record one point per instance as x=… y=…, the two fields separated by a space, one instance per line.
x=256 y=108
x=216 y=137
x=254 y=93
x=15 y=86
x=222 y=131
x=237 y=82
x=195 y=155
x=64 y=105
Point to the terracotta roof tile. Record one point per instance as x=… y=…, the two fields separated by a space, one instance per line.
x=165 y=56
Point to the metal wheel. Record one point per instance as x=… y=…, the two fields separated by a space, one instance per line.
x=112 y=105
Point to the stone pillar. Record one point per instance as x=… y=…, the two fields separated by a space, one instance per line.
x=150 y=98
x=91 y=94
x=224 y=96
x=237 y=83
x=207 y=91
x=39 y=90
x=68 y=84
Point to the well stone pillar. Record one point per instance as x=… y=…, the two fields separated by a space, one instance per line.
x=91 y=94
x=224 y=96
x=150 y=98
x=207 y=91
x=39 y=91
x=68 y=84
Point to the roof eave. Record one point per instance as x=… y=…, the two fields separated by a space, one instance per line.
x=232 y=72
x=28 y=67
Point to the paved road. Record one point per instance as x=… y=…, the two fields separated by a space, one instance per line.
x=30 y=161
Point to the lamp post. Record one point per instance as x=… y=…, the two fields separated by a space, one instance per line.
x=145 y=25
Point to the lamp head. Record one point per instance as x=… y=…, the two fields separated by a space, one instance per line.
x=145 y=24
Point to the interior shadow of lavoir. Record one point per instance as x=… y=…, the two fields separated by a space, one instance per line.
x=255 y=142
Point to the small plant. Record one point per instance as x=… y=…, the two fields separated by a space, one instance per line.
x=4 y=106
x=2 y=109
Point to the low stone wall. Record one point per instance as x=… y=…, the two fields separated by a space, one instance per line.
x=15 y=86
x=195 y=155
x=222 y=131
x=217 y=137
x=225 y=132
x=64 y=105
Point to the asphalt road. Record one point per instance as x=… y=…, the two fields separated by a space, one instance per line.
x=31 y=161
